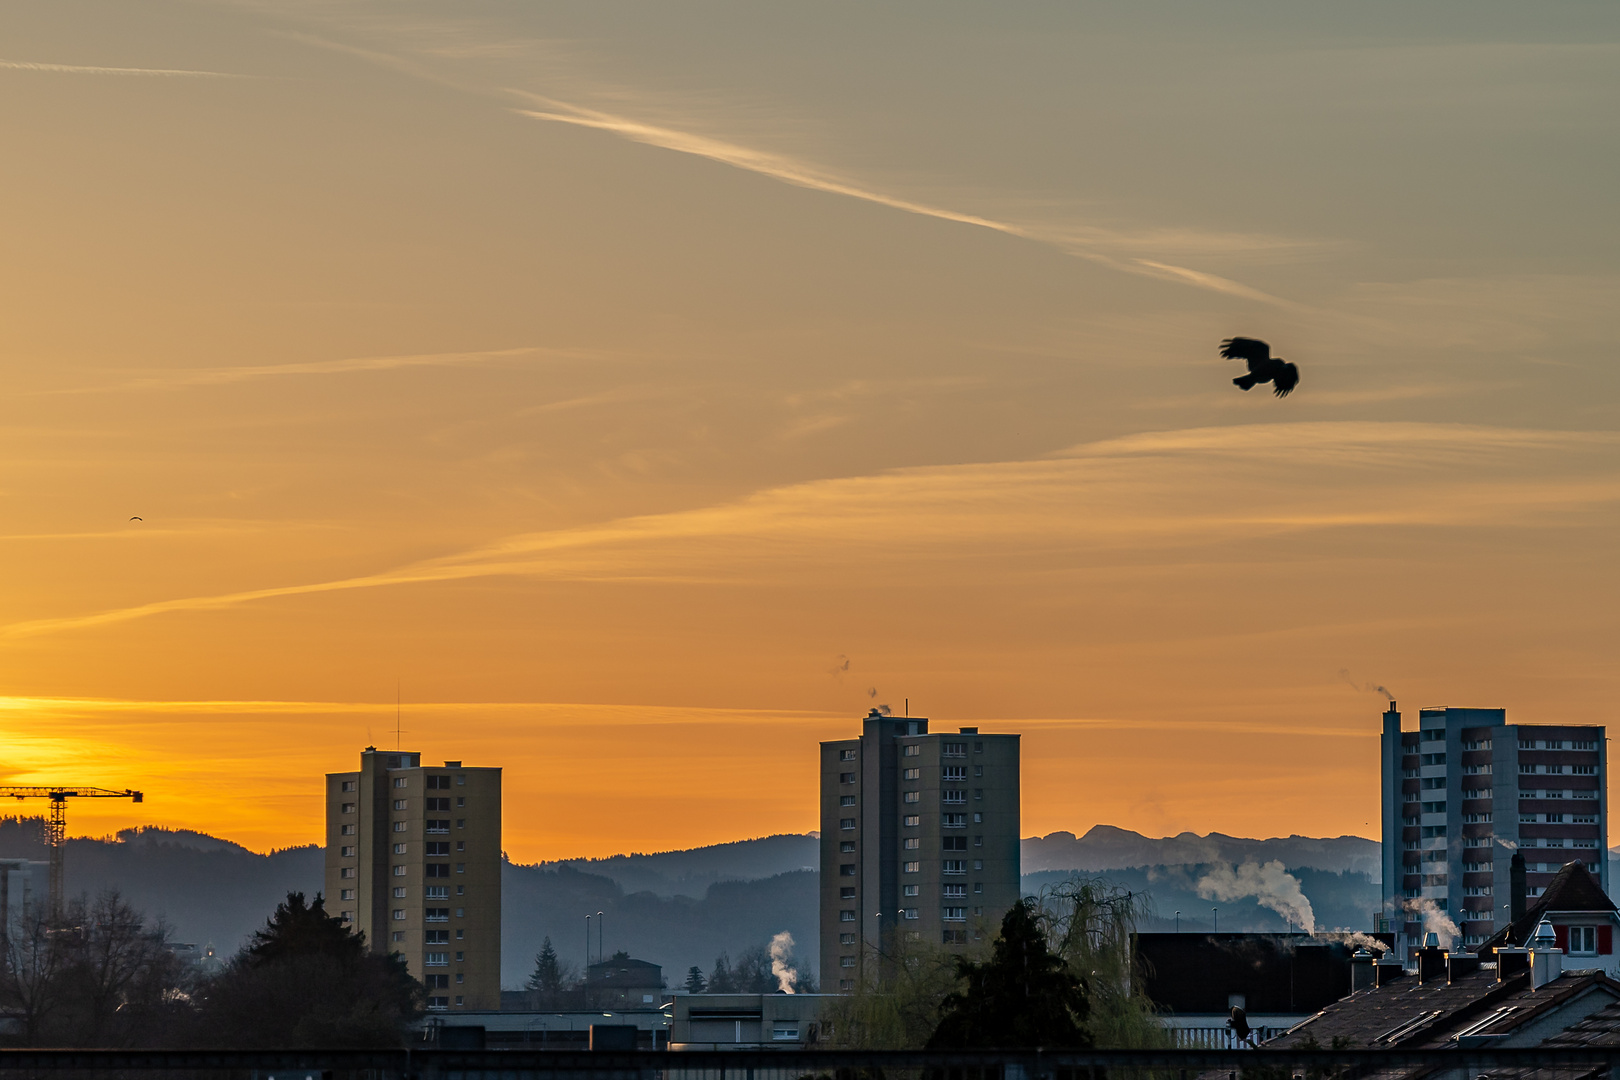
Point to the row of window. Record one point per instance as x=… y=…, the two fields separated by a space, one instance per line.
x=1573 y=770
x=432 y=914
x=949 y=914
x=442 y=982
x=947 y=866
x=914 y=843
x=431 y=826
x=1554 y=818
x=1485 y=744
x=913 y=821
x=429 y=937
x=435 y=782
x=946 y=749
x=950 y=773
x=431 y=849
x=439 y=1004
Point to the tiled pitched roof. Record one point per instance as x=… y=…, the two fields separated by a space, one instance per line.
x=1573 y=889
x=1408 y=1014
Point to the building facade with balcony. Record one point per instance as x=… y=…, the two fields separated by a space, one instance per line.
x=919 y=841
x=1463 y=791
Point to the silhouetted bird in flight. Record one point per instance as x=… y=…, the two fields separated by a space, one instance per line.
x=137 y=519
x=1263 y=367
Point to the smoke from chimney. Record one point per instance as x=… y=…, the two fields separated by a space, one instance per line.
x=1359 y=940
x=1271 y=885
x=1367 y=687
x=782 y=962
x=1435 y=921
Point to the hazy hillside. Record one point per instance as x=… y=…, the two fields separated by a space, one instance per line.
x=690 y=872
x=209 y=890
x=1105 y=847
x=677 y=932
x=679 y=908
x=1338 y=900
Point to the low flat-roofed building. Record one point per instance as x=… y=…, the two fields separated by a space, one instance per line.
x=1279 y=980
x=549 y=1030
x=745 y=1021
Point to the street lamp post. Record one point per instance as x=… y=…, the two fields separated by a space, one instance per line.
x=1178 y=922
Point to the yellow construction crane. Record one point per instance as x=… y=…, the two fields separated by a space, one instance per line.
x=56 y=823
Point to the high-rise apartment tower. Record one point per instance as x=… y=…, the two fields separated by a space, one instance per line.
x=919 y=836
x=413 y=860
x=1463 y=792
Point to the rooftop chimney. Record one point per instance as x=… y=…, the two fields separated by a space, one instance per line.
x=1516 y=887
x=1460 y=964
x=1362 y=975
x=1431 y=961
x=1388 y=968
x=1546 y=958
x=1510 y=962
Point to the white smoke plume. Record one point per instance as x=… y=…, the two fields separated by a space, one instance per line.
x=1435 y=921
x=1366 y=941
x=1272 y=885
x=782 y=962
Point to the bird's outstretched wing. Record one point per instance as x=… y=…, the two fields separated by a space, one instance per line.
x=1284 y=379
x=1246 y=348
x=137 y=519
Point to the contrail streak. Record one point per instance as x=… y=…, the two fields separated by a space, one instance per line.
x=791 y=171
x=220 y=376
x=87 y=69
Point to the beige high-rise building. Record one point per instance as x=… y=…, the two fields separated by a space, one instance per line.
x=413 y=861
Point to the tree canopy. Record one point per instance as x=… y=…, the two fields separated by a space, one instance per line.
x=307 y=981
x=1023 y=996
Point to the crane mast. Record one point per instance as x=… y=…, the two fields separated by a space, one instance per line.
x=56 y=822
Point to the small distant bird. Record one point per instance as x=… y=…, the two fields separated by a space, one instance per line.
x=137 y=519
x=1263 y=367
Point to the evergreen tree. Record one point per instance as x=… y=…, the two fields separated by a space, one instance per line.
x=547 y=975
x=306 y=981
x=1023 y=997
x=721 y=980
x=694 y=980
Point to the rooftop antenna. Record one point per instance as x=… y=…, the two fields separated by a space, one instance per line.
x=398 y=714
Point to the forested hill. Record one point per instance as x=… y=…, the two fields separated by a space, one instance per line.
x=209 y=890
x=680 y=908
x=1106 y=847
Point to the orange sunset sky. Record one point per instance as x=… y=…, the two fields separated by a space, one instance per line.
x=644 y=391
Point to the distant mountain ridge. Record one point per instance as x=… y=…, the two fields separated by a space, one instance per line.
x=1107 y=847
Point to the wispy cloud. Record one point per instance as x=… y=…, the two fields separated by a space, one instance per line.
x=1164 y=489
x=90 y=69
x=799 y=173
x=221 y=376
